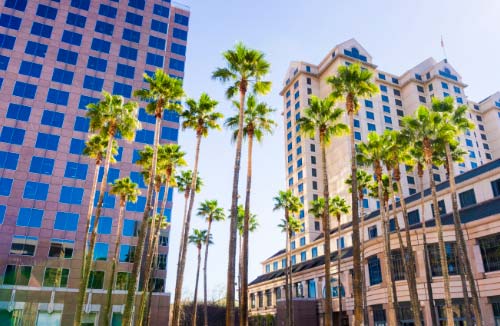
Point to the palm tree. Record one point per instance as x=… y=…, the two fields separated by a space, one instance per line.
x=109 y=117
x=353 y=83
x=456 y=117
x=363 y=180
x=372 y=153
x=198 y=238
x=164 y=93
x=210 y=210
x=291 y=205
x=245 y=67
x=256 y=123
x=423 y=129
x=322 y=118
x=127 y=191
x=201 y=117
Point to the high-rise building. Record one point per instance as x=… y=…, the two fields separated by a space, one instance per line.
x=55 y=58
x=477 y=184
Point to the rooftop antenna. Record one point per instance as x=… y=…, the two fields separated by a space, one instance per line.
x=444 y=50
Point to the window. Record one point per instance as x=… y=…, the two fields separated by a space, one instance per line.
x=16 y=4
x=107 y=11
x=82 y=124
x=127 y=253
x=30 y=69
x=314 y=252
x=24 y=90
x=342 y=243
x=444 y=85
x=268 y=268
x=42 y=30
x=72 y=38
x=122 y=280
x=385 y=98
x=104 y=28
x=93 y=83
x=7 y=42
x=81 y=4
x=56 y=277
x=379 y=318
x=370 y=115
x=108 y=200
x=372 y=232
x=53 y=119
x=397 y=265
x=96 y=280
x=127 y=52
x=100 y=45
x=420 y=89
x=467 y=198
x=66 y=221
x=76 y=170
x=178 y=49
x=8 y=160
x=180 y=34
x=495 y=186
x=42 y=165
x=398 y=102
x=130 y=35
x=76 y=20
x=12 y=135
x=23 y=245
x=159 y=26
x=67 y=56
x=161 y=263
x=4 y=62
x=414 y=217
x=30 y=217
x=61 y=248
x=133 y=19
x=36 y=190
x=17 y=275
x=101 y=251
x=138 y=4
x=441 y=206
x=123 y=90
x=371 y=127
x=422 y=99
x=173 y=64
x=57 y=97
x=490 y=252
x=375 y=273
x=313 y=159
x=435 y=258
x=161 y=10
x=47 y=141
x=368 y=104
x=138 y=206
x=144 y=136
x=71 y=195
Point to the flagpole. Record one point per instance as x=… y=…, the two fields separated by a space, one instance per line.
x=444 y=49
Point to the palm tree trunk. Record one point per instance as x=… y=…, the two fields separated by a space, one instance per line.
x=185 y=232
x=195 y=306
x=240 y=264
x=326 y=234
x=462 y=248
x=428 y=272
x=139 y=249
x=244 y=273
x=442 y=249
x=107 y=307
x=339 y=287
x=290 y=283
x=83 y=286
x=362 y=249
x=205 y=265
x=90 y=253
x=356 y=254
x=233 y=229
x=287 y=276
x=409 y=264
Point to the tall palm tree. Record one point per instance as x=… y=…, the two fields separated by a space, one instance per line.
x=109 y=117
x=210 y=210
x=457 y=117
x=363 y=180
x=291 y=205
x=244 y=68
x=163 y=93
x=371 y=153
x=201 y=117
x=353 y=83
x=198 y=238
x=257 y=122
x=126 y=191
x=423 y=129
x=322 y=118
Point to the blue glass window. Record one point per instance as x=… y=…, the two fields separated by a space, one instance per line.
x=357 y=135
x=372 y=127
x=104 y=226
x=86 y=100
x=387 y=119
x=76 y=146
x=126 y=254
x=62 y=76
x=100 y=251
x=76 y=20
x=159 y=26
x=180 y=34
x=42 y=165
x=12 y=135
x=368 y=104
x=138 y=4
x=93 y=83
x=81 y=4
x=104 y=28
x=370 y=115
x=46 y=12
x=41 y=30
x=30 y=217
x=155 y=60
x=100 y=45
x=413 y=217
x=81 y=124
x=58 y=97
x=181 y=19
x=5 y=186
x=4 y=62
x=168 y=133
x=107 y=202
x=122 y=89
x=76 y=170
x=97 y=64
x=383 y=88
x=130 y=35
x=468 y=142
x=67 y=56
x=18 y=112
x=36 y=49
x=144 y=136
x=8 y=160
x=125 y=70
x=3 y=208
x=128 y=52
x=178 y=49
x=130 y=228
x=385 y=98
x=444 y=85
x=7 y=41
x=107 y=11
x=10 y=21
x=30 y=69
x=157 y=43
x=456 y=89
x=36 y=190
x=374 y=270
x=137 y=178
x=16 y=4
x=71 y=195
x=459 y=100
x=66 y=221
x=113 y=174
x=161 y=10
x=144 y=117
x=24 y=90
x=51 y=118
x=47 y=141
x=133 y=19
x=72 y=38
x=387 y=109
x=137 y=206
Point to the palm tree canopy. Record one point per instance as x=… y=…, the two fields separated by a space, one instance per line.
x=170 y=157
x=292 y=226
x=352 y=82
x=244 y=67
x=372 y=152
x=338 y=206
x=164 y=92
x=252 y=221
x=256 y=120
x=162 y=219
x=184 y=181
x=320 y=117
x=286 y=200
x=397 y=147
x=455 y=116
x=364 y=178
x=113 y=116
x=199 y=237
x=96 y=145
x=211 y=211
x=125 y=189
x=373 y=188
x=201 y=116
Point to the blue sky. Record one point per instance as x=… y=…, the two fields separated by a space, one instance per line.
x=398 y=34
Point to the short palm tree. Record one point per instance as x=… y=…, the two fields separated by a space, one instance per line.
x=210 y=210
x=163 y=93
x=322 y=119
x=126 y=191
x=244 y=68
x=198 y=238
x=257 y=122
x=109 y=117
x=353 y=83
x=291 y=205
x=202 y=118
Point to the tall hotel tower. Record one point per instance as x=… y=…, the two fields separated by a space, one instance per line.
x=55 y=58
